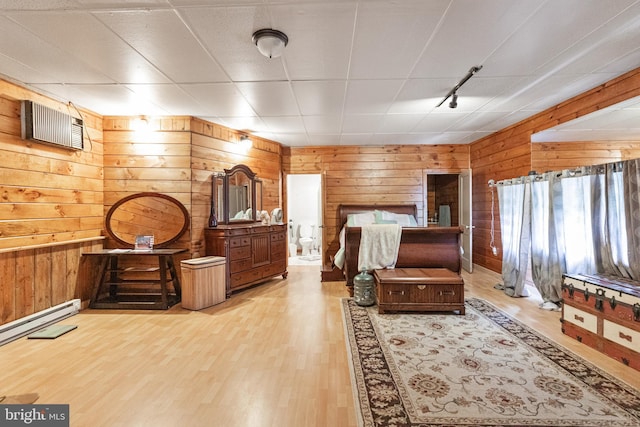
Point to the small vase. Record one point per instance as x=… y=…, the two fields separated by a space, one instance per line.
x=213 y=220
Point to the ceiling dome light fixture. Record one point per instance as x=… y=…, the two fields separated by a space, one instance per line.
x=270 y=42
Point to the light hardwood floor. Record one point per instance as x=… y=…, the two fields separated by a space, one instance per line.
x=273 y=355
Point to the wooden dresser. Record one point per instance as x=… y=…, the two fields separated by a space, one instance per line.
x=603 y=312
x=253 y=252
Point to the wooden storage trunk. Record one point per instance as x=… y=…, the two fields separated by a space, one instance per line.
x=419 y=289
x=603 y=312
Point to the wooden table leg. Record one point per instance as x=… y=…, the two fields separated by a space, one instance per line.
x=175 y=278
x=113 y=288
x=100 y=280
x=162 y=260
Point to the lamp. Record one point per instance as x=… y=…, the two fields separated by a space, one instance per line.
x=454 y=100
x=270 y=42
x=452 y=92
x=245 y=142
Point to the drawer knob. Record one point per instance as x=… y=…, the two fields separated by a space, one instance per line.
x=578 y=318
x=625 y=337
x=452 y=293
x=396 y=292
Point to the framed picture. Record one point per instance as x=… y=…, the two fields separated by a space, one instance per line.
x=144 y=243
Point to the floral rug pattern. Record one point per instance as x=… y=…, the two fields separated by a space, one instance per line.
x=482 y=368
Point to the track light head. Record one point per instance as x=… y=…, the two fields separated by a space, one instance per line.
x=454 y=100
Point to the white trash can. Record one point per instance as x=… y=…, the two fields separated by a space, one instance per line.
x=203 y=282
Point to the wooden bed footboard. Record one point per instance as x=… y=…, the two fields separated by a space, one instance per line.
x=427 y=247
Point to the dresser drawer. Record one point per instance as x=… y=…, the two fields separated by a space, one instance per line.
x=580 y=318
x=242 y=278
x=278 y=251
x=240 y=253
x=412 y=293
x=274 y=268
x=395 y=293
x=235 y=242
x=278 y=237
x=240 y=265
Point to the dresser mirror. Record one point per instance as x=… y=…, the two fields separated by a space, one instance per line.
x=237 y=195
x=147 y=214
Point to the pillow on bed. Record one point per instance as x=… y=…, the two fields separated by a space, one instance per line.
x=405 y=220
x=386 y=221
x=360 y=219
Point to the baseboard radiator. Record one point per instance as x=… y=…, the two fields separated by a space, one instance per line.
x=25 y=325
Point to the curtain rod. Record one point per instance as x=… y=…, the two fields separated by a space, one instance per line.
x=582 y=170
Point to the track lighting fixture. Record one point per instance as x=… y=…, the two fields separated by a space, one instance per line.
x=453 y=92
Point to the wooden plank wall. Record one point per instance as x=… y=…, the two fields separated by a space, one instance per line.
x=50 y=210
x=509 y=153
x=565 y=155
x=147 y=157
x=176 y=156
x=390 y=174
x=216 y=148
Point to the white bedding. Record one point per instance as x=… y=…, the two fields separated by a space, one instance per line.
x=379 y=245
x=366 y=218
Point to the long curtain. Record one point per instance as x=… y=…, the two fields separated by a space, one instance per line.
x=585 y=220
x=546 y=269
x=514 y=199
x=631 y=185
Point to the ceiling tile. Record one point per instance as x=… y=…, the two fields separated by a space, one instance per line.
x=78 y=34
x=320 y=97
x=319 y=38
x=322 y=124
x=289 y=124
x=270 y=98
x=226 y=33
x=371 y=96
x=362 y=123
x=354 y=72
x=22 y=46
x=220 y=99
x=166 y=43
x=390 y=36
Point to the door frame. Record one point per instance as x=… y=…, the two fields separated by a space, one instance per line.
x=467 y=228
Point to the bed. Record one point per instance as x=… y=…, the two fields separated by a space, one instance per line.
x=427 y=247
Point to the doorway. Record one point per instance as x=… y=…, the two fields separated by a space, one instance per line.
x=449 y=204
x=304 y=214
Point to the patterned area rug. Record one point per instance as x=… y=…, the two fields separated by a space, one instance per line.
x=482 y=369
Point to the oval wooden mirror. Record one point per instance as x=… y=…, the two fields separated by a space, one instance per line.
x=147 y=214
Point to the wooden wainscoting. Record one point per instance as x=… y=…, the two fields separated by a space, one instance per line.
x=39 y=278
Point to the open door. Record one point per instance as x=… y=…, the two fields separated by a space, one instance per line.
x=464 y=185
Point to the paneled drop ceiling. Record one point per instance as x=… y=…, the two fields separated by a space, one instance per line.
x=363 y=72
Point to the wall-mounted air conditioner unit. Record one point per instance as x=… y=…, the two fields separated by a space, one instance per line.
x=44 y=124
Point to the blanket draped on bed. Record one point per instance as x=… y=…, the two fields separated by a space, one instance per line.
x=379 y=245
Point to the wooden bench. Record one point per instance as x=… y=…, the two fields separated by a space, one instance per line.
x=419 y=290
